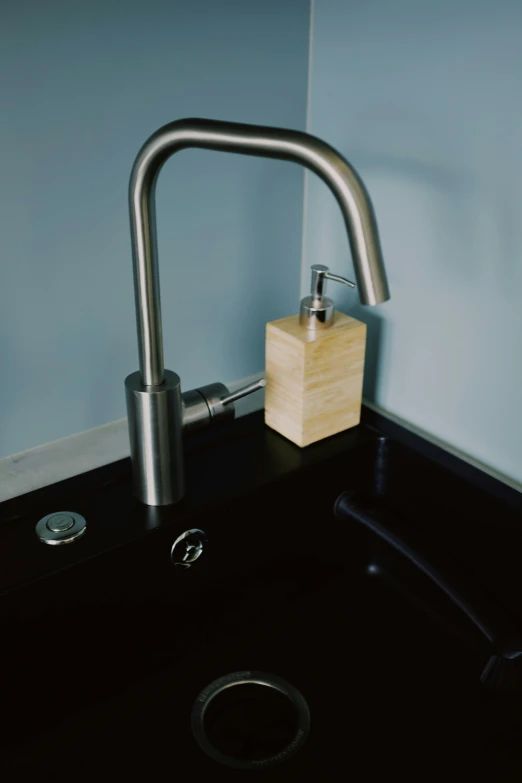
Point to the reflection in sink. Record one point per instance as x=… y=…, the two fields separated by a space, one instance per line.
x=106 y=659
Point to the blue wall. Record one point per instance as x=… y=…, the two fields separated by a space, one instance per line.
x=420 y=96
x=424 y=98
x=83 y=85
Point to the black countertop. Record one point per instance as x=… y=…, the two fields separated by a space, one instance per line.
x=109 y=644
x=222 y=465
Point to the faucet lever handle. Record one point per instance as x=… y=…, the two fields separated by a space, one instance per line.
x=213 y=404
x=249 y=389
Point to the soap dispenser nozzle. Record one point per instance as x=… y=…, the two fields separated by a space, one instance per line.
x=317 y=310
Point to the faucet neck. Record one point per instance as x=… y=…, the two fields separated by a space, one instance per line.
x=261 y=141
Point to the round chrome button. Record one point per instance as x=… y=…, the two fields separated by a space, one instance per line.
x=59 y=523
x=61 y=527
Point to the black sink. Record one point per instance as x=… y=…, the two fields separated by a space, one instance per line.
x=107 y=645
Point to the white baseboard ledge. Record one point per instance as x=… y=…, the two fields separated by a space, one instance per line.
x=62 y=459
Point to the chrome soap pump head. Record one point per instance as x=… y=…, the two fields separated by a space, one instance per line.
x=317 y=310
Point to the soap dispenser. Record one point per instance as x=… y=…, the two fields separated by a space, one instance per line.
x=314 y=367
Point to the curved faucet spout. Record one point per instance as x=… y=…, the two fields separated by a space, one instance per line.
x=256 y=140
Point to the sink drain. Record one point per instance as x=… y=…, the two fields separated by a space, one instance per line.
x=250 y=720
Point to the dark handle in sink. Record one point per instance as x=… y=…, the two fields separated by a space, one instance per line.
x=483 y=611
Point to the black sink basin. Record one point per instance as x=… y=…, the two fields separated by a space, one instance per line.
x=107 y=645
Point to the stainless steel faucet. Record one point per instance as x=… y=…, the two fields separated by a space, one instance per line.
x=158 y=413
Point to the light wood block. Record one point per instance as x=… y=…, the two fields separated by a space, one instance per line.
x=314 y=378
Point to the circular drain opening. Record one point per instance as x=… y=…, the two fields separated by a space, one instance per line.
x=250 y=720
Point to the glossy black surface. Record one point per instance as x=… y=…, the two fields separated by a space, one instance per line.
x=106 y=644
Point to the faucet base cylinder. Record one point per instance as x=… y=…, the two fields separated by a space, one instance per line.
x=155 y=415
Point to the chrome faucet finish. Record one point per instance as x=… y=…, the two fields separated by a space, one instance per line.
x=154 y=400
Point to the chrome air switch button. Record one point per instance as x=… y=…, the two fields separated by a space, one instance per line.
x=61 y=527
x=59 y=523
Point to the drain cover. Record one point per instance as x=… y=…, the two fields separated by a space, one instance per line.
x=250 y=720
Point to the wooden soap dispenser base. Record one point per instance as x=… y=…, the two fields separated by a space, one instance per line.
x=314 y=367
